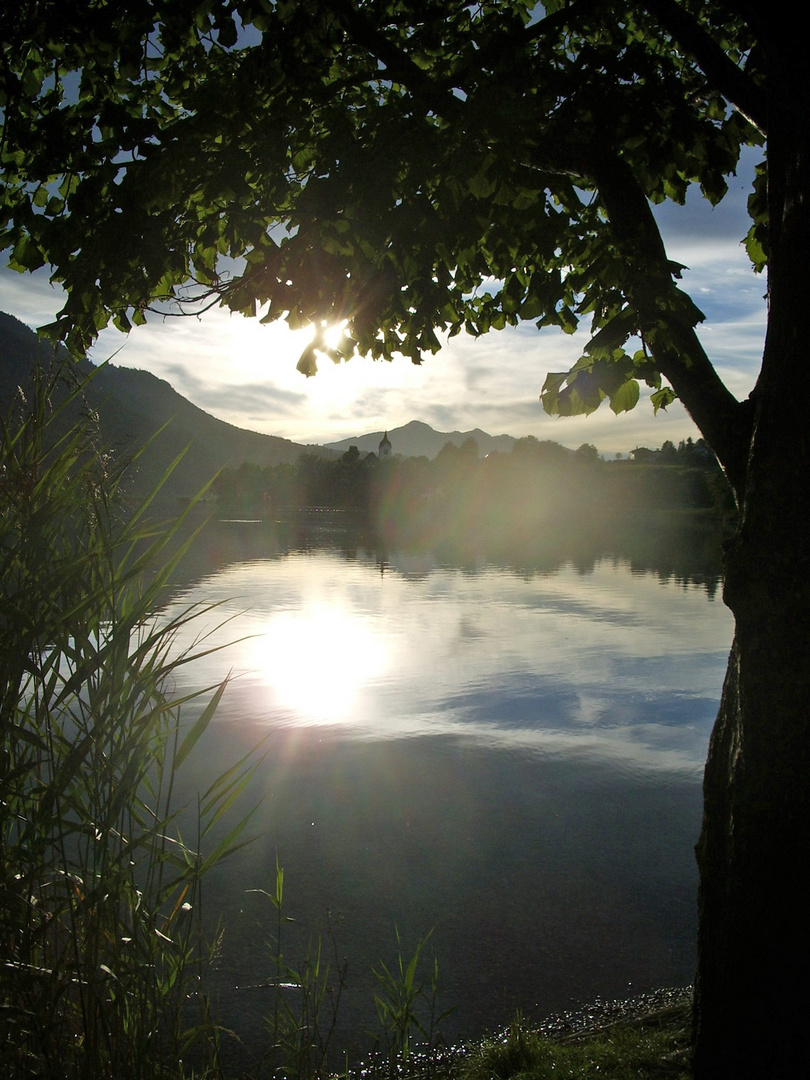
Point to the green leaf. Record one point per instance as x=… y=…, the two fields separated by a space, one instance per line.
x=26 y=255
x=663 y=397
x=549 y=395
x=308 y=362
x=613 y=335
x=755 y=248
x=199 y=727
x=625 y=398
x=226 y=30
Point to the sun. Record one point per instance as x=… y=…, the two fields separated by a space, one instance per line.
x=249 y=342
x=255 y=351
x=254 y=370
x=333 y=336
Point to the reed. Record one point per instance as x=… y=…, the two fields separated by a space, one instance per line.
x=406 y=1004
x=102 y=959
x=307 y=994
x=306 y=997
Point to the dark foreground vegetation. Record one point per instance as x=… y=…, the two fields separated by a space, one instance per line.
x=102 y=962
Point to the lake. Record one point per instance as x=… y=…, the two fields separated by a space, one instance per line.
x=505 y=751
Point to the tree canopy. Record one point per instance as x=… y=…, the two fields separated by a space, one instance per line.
x=404 y=168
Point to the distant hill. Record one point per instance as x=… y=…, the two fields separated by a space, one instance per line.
x=132 y=405
x=416 y=439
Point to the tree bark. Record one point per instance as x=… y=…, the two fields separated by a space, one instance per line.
x=752 y=993
x=752 y=998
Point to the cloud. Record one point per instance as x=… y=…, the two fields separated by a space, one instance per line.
x=230 y=399
x=29 y=297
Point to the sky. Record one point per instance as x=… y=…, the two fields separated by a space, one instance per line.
x=244 y=373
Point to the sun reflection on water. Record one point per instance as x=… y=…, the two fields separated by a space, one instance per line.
x=608 y=665
x=314 y=661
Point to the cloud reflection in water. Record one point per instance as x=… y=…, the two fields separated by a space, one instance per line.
x=609 y=664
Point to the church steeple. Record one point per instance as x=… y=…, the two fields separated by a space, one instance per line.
x=384 y=450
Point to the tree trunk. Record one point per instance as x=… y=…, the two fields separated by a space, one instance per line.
x=752 y=1001
x=753 y=992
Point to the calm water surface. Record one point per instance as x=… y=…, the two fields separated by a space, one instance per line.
x=513 y=759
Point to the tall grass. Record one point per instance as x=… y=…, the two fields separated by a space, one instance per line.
x=306 y=998
x=407 y=1004
x=307 y=995
x=101 y=955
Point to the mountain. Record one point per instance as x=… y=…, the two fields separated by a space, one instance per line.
x=416 y=439
x=133 y=405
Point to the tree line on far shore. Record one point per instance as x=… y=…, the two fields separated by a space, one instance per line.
x=536 y=483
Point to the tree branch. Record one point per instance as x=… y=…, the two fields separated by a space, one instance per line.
x=722 y=73
x=736 y=86
x=398 y=64
x=667 y=319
